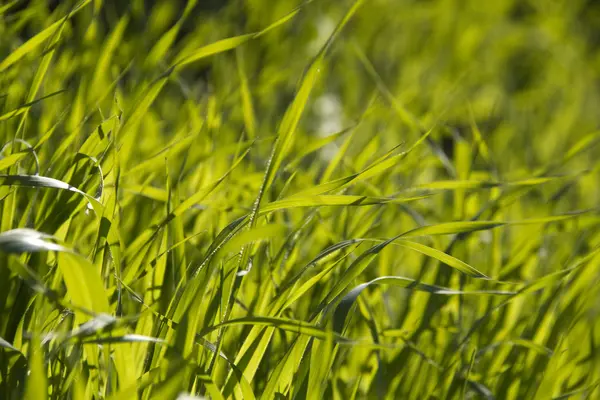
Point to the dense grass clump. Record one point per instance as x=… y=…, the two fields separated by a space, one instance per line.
x=391 y=199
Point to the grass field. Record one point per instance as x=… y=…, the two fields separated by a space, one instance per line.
x=387 y=199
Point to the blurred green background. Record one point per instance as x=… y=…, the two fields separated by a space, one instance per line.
x=526 y=68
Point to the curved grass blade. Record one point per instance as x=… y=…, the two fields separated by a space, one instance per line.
x=332 y=200
x=429 y=251
x=342 y=308
x=128 y=338
x=25 y=240
x=360 y=264
x=442 y=257
x=286 y=324
x=46 y=182
x=83 y=281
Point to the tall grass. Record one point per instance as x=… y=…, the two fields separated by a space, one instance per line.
x=323 y=199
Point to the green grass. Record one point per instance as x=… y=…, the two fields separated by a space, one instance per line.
x=391 y=199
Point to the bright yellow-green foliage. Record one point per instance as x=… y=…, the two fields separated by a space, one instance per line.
x=278 y=199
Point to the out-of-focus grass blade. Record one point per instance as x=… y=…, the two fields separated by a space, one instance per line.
x=382 y=164
x=337 y=161
x=27 y=241
x=314 y=146
x=290 y=122
x=147 y=191
x=585 y=392
x=103 y=63
x=321 y=357
x=83 y=282
x=584 y=143
x=139 y=110
x=554 y=218
x=164 y=43
x=404 y=114
x=37 y=40
x=230 y=43
x=12 y=159
x=8 y=6
x=36 y=386
x=545 y=281
x=16 y=157
x=171 y=150
x=212 y=49
x=172 y=383
x=283 y=19
x=21 y=109
x=43 y=68
x=211 y=388
x=458 y=184
x=6 y=345
x=129 y=338
x=144 y=381
x=478 y=142
x=181 y=145
x=246 y=96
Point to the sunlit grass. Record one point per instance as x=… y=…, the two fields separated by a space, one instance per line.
x=322 y=199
